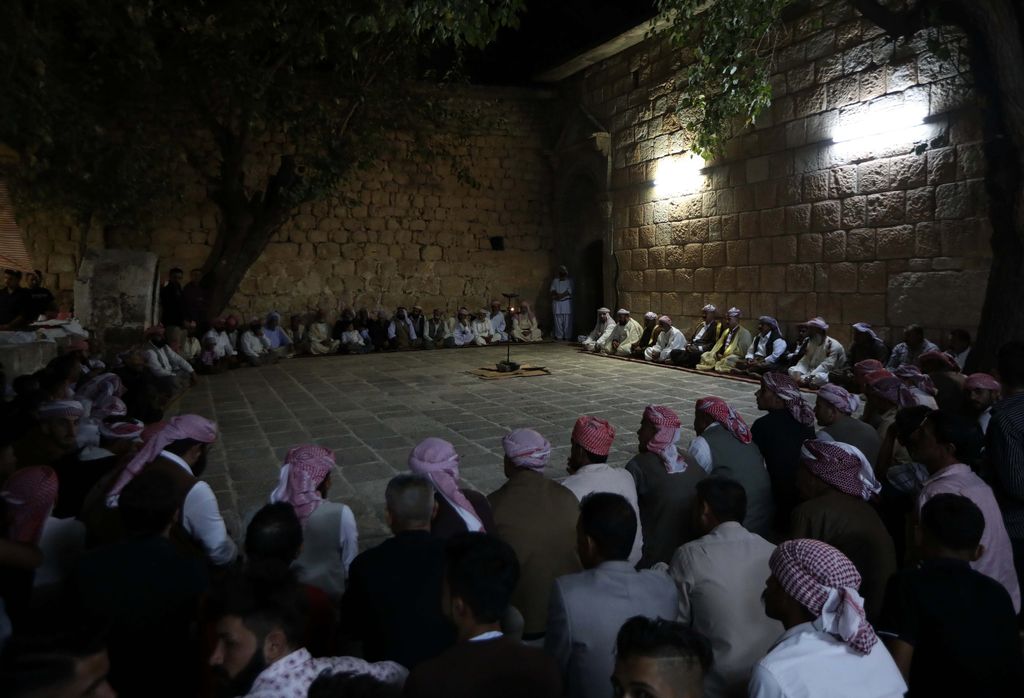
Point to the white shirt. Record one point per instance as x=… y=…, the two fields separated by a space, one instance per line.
x=822 y=358
x=201 y=519
x=562 y=307
x=983 y=419
x=223 y=346
x=463 y=334
x=758 y=349
x=498 y=323
x=408 y=324
x=701 y=450
x=61 y=543
x=601 y=477
x=809 y=662
x=254 y=346
x=165 y=361
x=670 y=340
x=352 y=337
x=482 y=329
x=601 y=333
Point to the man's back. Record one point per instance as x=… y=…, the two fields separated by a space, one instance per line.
x=392 y=600
x=491 y=668
x=961 y=625
x=742 y=462
x=859 y=434
x=665 y=500
x=601 y=477
x=779 y=437
x=537 y=517
x=721 y=577
x=588 y=608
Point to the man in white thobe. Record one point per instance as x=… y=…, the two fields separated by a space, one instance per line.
x=498 y=322
x=255 y=346
x=463 y=334
x=165 y=364
x=561 y=304
x=670 y=339
x=483 y=332
x=600 y=336
x=823 y=354
x=319 y=335
x=626 y=332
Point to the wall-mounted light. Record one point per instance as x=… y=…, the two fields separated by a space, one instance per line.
x=880 y=128
x=679 y=174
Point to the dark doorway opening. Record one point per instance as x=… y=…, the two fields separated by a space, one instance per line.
x=589 y=290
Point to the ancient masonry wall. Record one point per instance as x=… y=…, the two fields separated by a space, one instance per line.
x=407 y=230
x=789 y=223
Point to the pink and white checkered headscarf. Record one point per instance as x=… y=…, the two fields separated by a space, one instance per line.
x=786 y=388
x=109 y=406
x=438 y=460
x=304 y=469
x=31 y=494
x=186 y=426
x=825 y=582
x=862 y=368
x=128 y=429
x=527 y=449
x=888 y=387
x=912 y=376
x=839 y=398
x=101 y=386
x=61 y=409
x=665 y=439
x=594 y=434
x=933 y=361
x=982 y=381
x=842 y=466
x=719 y=410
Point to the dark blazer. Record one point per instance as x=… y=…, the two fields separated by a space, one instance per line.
x=499 y=668
x=448 y=522
x=392 y=600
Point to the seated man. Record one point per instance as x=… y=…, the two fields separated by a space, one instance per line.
x=391 y=618
x=828 y=649
x=224 y=354
x=497 y=318
x=255 y=347
x=479 y=575
x=296 y=332
x=463 y=334
x=910 y=349
x=655 y=657
x=483 y=330
x=704 y=335
x=983 y=391
x=601 y=334
x=624 y=335
x=319 y=336
x=260 y=650
x=401 y=333
x=798 y=348
x=537 y=517
x=648 y=337
x=665 y=481
x=190 y=345
x=419 y=324
x=524 y=325
x=959 y=346
x=834 y=408
x=822 y=355
x=352 y=341
x=172 y=372
x=765 y=351
x=731 y=346
x=719 y=581
x=669 y=339
x=437 y=331
x=951 y=629
x=866 y=345
x=589 y=472
x=280 y=343
x=581 y=638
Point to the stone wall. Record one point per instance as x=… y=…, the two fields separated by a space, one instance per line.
x=406 y=230
x=788 y=223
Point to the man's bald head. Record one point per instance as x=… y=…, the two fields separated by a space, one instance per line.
x=659 y=658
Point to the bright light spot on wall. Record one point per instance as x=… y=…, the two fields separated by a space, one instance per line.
x=679 y=174
x=881 y=128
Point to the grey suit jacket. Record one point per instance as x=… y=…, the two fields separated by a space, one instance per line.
x=585 y=614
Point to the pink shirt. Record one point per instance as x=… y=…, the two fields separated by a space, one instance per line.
x=290 y=676
x=997 y=560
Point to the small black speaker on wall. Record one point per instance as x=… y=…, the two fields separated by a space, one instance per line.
x=497 y=243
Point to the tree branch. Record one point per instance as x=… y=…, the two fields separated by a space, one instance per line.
x=895 y=24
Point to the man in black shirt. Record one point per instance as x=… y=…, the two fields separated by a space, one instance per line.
x=39 y=299
x=951 y=629
x=14 y=308
x=172 y=302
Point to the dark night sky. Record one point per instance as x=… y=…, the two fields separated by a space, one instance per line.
x=552 y=31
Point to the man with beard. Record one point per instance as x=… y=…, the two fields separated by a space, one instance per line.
x=463 y=334
x=172 y=372
x=498 y=321
x=419 y=325
x=260 y=649
x=982 y=391
x=823 y=354
x=650 y=334
x=765 y=351
x=483 y=330
x=669 y=339
x=179 y=449
x=600 y=336
x=401 y=333
x=910 y=349
x=731 y=346
x=437 y=331
x=624 y=335
x=866 y=345
x=705 y=334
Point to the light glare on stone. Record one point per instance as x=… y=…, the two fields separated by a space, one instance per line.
x=679 y=174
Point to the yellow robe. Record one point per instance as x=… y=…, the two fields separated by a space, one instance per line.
x=732 y=353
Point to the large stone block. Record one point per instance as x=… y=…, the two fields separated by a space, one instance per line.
x=886 y=208
x=952 y=200
x=854 y=212
x=937 y=299
x=872 y=277
x=714 y=254
x=800 y=277
x=784 y=249
x=826 y=215
x=798 y=219
x=896 y=242
x=864 y=307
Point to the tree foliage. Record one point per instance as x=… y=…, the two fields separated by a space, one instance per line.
x=270 y=102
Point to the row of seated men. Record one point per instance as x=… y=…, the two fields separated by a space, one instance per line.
x=813 y=359
x=530 y=590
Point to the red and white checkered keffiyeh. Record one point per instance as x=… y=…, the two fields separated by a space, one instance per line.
x=720 y=411
x=787 y=389
x=982 y=381
x=842 y=466
x=304 y=469
x=862 y=369
x=527 y=449
x=31 y=494
x=912 y=376
x=825 y=582
x=128 y=429
x=839 y=398
x=109 y=406
x=664 y=441
x=594 y=434
x=932 y=361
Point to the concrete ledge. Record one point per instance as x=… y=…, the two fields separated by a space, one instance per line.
x=19 y=359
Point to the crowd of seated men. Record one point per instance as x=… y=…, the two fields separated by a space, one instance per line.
x=847 y=547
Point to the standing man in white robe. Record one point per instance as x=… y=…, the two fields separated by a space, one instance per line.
x=561 y=304
x=626 y=332
x=600 y=336
x=670 y=339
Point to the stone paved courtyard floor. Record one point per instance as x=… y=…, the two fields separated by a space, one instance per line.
x=373 y=409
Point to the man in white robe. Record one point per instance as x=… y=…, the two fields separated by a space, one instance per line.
x=463 y=334
x=626 y=332
x=319 y=335
x=823 y=354
x=254 y=345
x=561 y=304
x=602 y=332
x=483 y=332
x=498 y=322
x=222 y=349
x=669 y=339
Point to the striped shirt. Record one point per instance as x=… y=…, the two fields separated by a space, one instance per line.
x=1005 y=461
